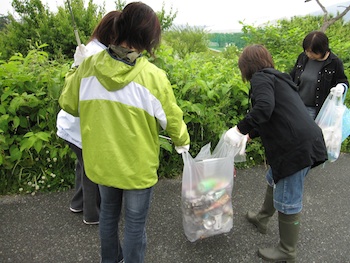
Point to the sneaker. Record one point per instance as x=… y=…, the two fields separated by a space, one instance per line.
x=75 y=210
x=122 y=261
x=91 y=222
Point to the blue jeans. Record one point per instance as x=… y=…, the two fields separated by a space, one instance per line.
x=288 y=192
x=137 y=203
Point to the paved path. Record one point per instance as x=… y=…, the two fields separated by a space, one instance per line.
x=41 y=228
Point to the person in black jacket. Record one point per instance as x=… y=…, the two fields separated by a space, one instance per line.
x=293 y=144
x=316 y=71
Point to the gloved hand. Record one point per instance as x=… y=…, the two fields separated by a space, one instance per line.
x=244 y=144
x=182 y=149
x=339 y=89
x=234 y=137
x=80 y=54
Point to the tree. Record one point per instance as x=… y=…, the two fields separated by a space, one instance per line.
x=328 y=20
x=4 y=21
x=20 y=35
x=38 y=25
x=185 y=40
x=166 y=20
x=120 y=4
x=86 y=19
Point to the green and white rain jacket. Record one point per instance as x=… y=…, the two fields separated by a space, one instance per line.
x=121 y=108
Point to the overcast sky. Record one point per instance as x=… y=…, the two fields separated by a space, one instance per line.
x=218 y=14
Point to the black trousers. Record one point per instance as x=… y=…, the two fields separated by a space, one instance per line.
x=87 y=195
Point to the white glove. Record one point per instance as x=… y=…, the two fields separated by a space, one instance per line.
x=182 y=149
x=80 y=54
x=243 y=144
x=234 y=137
x=339 y=89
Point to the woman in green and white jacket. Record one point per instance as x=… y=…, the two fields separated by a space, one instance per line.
x=123 y=100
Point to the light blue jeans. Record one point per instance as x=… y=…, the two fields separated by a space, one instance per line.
x=137 y=203
x=288 y=192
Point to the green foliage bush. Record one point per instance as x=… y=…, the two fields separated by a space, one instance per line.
x=32 y=158
x=210 y=91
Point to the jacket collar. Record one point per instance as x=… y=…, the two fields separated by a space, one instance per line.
x=124 y=54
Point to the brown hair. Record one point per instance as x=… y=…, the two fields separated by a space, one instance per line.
x=253 y=59
x=105 y=32
x=138 y=27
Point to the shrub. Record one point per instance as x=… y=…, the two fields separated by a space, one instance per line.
x=210 y=91
x=32 y=157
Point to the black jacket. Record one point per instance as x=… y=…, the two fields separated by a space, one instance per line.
x=332 y=73
x=291 y=138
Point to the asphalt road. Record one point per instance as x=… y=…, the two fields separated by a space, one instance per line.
x=42 y=229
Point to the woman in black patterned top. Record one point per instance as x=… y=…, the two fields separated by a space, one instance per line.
x=316 y=71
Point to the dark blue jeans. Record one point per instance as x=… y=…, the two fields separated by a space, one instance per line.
x=137 y=203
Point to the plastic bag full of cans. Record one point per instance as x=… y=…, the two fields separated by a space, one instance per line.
x=207 y=183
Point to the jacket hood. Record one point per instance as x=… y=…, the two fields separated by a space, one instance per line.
x=113 y=73
x=282 y=76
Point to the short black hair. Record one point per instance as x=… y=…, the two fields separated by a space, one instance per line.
x=317 y=42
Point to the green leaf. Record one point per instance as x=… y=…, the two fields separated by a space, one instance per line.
x=15 y=153
x=38 y=145
x=2 y=139
x=26 y=144
x=4 y=120
x=16 y=121
x=23 y=122
x=44 y=136
x=15 y=104
x=166 y=145
x=2 y=109
x=28 y=134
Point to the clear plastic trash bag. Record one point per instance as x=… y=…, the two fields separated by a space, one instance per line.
x=207 y=183
x=330 y=120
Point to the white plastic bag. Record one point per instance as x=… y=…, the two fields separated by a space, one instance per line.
x=330 y=120
x=207 y=183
